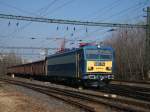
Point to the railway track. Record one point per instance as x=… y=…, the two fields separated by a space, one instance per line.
x=133 y=82
x=88 y=101
x=41 y=89
x=128 y=91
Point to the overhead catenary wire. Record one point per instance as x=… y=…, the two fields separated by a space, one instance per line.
x=124 y=10
x=60 y=7
x=106 y=7
x=21 y=47
x=113 y=4
x=134 y=7
x=102 y=9
x=4 y=16
x=73 y=22
x=44 y=13
x=57 y=9
x=40 y=11
x=16 y=8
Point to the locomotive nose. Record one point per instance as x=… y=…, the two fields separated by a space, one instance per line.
x=90 y=68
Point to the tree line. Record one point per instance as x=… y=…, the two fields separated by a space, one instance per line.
x=7 y=60
x=129 y=45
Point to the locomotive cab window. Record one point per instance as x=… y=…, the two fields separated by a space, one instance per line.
x=98 y=54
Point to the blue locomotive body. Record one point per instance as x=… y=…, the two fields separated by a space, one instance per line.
x=85 y=65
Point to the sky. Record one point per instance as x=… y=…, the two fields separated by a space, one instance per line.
x=34 y=34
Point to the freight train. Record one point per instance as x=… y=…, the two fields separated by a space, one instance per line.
x=88 y=65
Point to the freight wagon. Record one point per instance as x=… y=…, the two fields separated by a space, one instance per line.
x=28 y=70
x=88 y=65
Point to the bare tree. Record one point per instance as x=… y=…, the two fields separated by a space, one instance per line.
x=7 y=60
x=129 y=50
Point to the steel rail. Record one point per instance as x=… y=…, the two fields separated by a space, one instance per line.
x=104 y=102
x=69 y=101
x=138 y=82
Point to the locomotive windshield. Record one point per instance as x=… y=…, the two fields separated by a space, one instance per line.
x=98 y=54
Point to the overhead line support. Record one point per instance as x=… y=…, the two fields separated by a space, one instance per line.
x=73 y=22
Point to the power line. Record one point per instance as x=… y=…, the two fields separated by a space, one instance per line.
x=122 y=11
x=41 y=10
x=125 y=10
x=44 y=37
x=48 y=6
x=16 y=8
x=110 y=8
x=137 y=17
x=35 y=48
x=27 y=54
x=60 y=7
x=102 y=9
x=59 y=21
x=73 y=22
x=56 y=9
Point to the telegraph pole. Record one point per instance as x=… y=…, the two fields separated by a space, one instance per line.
x=147 y=46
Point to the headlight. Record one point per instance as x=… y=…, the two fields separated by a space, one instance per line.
x=108 y=68
x=90 y=68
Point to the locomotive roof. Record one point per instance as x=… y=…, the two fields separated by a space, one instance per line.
x=81 y=48
x=66 y=52
x=96 y=47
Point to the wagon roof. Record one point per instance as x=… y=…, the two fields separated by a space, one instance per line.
x=40 y=61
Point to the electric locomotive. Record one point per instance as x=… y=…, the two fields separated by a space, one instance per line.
x=88 y=65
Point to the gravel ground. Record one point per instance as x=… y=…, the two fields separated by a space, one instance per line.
x=19 y=99
x=46 y=103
